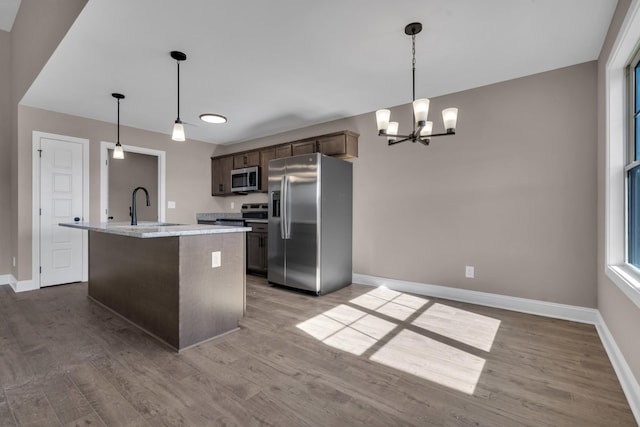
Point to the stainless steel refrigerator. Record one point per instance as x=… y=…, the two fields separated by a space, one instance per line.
x=310 y=216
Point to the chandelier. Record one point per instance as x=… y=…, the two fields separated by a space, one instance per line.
x=422 y=129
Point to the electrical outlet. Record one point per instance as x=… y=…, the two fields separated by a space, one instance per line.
x=14 y=261
x=469 y=271
x=216 y=259
x=233 y=205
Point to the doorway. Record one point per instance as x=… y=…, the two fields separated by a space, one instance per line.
x=141 y=167
x=60 y=194
x=135 y=170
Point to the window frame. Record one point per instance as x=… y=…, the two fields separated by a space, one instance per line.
x=631 y=142
x=617 y=124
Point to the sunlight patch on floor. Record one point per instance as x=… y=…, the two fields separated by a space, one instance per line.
x=401 y=345
x=464 y=326
x=347 y=329
x=390 y=303
x=432 y=360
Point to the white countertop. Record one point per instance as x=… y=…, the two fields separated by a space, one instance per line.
x=147 y=230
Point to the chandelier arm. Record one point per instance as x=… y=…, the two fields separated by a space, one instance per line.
x=383 y=133
x=399 y=141
x=453 y=132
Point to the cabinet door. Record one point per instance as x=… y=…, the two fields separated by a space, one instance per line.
x=265 y=157
x=283 y=151
x=244 y=160
x=265 y=253
x=254 y=251
x=332 y=145
x=221 y=175
x=305 y=147
x=343 y=145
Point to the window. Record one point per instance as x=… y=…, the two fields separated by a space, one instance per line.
x=633 y=164
x=622 y=154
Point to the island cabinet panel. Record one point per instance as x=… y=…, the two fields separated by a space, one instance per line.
x=211 y=302
x=167 y=285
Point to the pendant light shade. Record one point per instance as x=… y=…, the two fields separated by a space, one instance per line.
x=118 y=152
x=178 y=127
x=178 y=131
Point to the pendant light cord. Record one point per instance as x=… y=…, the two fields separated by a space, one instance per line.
x=178 y=90
x=118 y=141
x=413 y=73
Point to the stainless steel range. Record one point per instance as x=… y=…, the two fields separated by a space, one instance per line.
x=255 y=211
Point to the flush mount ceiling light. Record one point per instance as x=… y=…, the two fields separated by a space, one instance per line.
x=178 y=127
x=421 y=128
x=213 y=118
x=118 y=152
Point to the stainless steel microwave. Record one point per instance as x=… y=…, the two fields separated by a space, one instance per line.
x=245 y=180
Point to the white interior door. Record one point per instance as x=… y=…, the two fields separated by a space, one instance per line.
x=61 y=200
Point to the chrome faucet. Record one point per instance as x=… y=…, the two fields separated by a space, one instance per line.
x=134 y=217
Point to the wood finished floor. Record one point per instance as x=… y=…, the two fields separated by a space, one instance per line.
x=358 y=356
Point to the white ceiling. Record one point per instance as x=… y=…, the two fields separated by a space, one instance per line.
x=273 y=66
x=8 y=12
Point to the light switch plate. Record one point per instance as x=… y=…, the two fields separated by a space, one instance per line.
x=216 y=259
x=171 y=204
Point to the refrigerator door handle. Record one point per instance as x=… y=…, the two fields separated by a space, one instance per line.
x=287 y=207
x=283 y=207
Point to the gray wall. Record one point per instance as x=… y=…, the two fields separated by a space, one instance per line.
x=188 y=168
x=37 y=30
x=135 y=170
x=619 y=313
x=513 y=193
x=5 y=158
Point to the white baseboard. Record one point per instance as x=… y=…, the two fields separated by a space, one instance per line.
x=22 y=285
x=5 y=279
x=625 y=376
x=573 y=313
x=523 y=305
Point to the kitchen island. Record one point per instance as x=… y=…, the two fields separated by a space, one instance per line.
x=183 y=284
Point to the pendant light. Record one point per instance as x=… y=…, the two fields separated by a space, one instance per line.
x=178 y=127
x=118 y=152
x=422 y=129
